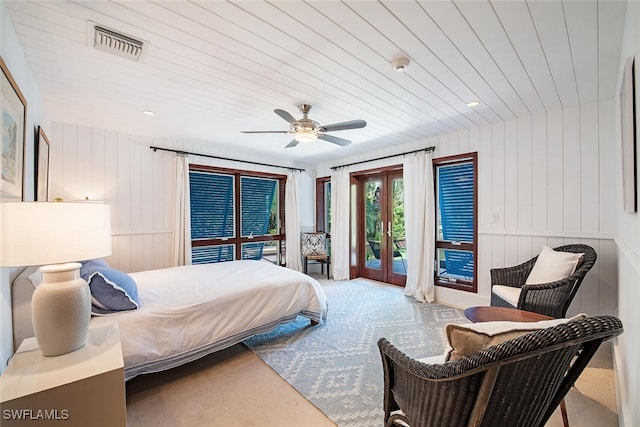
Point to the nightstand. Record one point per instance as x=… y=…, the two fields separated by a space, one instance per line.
x=81 y=388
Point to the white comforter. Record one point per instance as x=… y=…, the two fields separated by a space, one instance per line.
x=188 y=312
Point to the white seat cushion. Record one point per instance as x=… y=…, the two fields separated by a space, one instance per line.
x=507 y=293
x=435 y=360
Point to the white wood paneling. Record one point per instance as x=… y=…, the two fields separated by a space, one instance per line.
x=611 y=25
x=582 y=28
x=484 y=177
x=215 y=68
x=546 y=178
x=517 y=21
x=571 y=167
x=118 y=169
x=138 y=183
x=589 y=169
x=549 y=20
x=555 y=175
x=534 y=188
x=511 y=175
x=524 y=195
x=498 y=177
x=525 y=184
x=607 y=137
x=486 y=25
x=539 y=173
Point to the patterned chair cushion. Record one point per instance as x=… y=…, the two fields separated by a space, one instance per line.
x=313 y=244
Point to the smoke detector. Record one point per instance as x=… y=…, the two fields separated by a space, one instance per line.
x=400 y=64
x=112 y=41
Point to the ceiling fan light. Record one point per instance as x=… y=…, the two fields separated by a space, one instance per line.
x=306 y=136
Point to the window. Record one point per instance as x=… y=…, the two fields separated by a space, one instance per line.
x=323 y=204
x=456 y=213
x=236 y=215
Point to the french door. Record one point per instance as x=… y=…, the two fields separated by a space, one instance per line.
x=381 y=243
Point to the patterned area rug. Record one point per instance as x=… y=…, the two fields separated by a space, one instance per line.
x=337 y=366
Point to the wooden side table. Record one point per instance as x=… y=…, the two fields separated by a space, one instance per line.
x=81 y=388
x=492 y=314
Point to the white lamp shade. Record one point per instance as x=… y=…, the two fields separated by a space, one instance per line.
x=38 y=233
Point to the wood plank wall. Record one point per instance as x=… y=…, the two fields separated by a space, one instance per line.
x=120 y=170
x=544 y=179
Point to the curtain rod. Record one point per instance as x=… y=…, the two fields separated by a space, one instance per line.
x=224 y=158
x=427 y=149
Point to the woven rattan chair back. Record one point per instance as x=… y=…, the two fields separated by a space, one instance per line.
x=517 y=383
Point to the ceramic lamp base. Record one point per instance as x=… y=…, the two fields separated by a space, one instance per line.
x=61 y=309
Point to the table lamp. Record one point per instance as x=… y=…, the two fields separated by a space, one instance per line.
x=58 y=234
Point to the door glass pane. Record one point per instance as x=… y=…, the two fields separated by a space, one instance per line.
x=397 y=224
x=327 y=206
x=373 y=219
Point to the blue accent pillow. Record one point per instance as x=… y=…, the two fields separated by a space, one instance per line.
x=111 y=290
x=91 y=266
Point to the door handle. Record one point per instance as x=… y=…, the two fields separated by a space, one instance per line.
x=389 y=229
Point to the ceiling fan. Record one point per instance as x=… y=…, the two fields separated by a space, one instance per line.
x=307 y=130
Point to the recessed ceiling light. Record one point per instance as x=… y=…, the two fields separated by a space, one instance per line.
x=473 y=103
x=148 y=112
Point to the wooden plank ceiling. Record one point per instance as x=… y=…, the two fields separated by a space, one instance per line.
x=214 y=68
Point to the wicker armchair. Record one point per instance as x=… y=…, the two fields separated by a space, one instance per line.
x=519 y=382
x=552 y=299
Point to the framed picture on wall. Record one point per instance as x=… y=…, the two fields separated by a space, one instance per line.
x=42 y=147
x=629 y=147
x=13 y=116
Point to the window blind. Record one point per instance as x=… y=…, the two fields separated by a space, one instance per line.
x=212 y=205
x=456 y=202
x=455 y=191
x=256 y=200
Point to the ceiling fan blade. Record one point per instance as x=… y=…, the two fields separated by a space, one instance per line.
x=334 y=139
x=293 y=143
x=288 y=117
x=264 y=131
x=353 y=124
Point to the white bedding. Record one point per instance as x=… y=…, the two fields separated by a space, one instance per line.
x=188 y=312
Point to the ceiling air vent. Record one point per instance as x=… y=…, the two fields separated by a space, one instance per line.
x=111 y=41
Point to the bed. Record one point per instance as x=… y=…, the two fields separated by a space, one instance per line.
x=188 y=312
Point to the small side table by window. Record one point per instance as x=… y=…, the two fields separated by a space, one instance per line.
x=81 y=388
x=492 y=314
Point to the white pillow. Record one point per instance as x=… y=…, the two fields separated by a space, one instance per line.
x=438 y=359
x=552 y=266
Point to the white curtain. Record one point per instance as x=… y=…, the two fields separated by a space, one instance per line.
x=419 y=217
x=340 y=203
x=182 y=213
x=292 y=222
